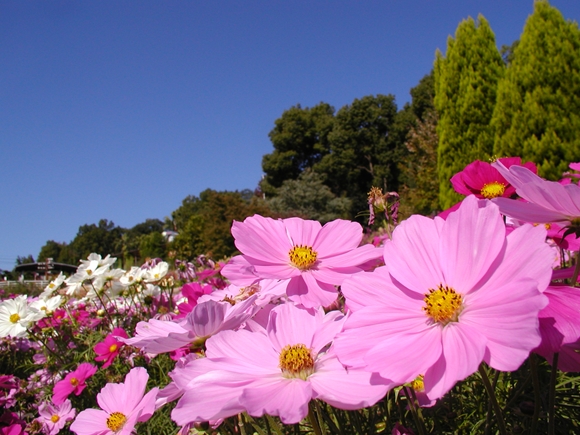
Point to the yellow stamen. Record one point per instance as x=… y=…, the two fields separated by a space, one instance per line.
x=74 y=381
x=54 y=418
x=113 y=348
x=14 y=318
x=302 y=257
x=116 y=421
x=493 y=189
x=418 y=384
x=296 y=361
x=443 y=305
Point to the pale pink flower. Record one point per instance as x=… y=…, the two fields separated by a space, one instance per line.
x=206 y=319
x=548 y=201
x=74 y=382
x=290 y=363
x=452 y=294
x=122 y=406
x=54 y=417
x=312 y=258
x=560 y=327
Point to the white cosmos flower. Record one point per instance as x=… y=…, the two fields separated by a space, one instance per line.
x=46 y=306
x=134 y=276
x=157 y=272
x=112 y=278
x=16 y=316
x=52 y=286
x=107 y=261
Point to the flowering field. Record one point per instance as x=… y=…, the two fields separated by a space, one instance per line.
x=464 y=323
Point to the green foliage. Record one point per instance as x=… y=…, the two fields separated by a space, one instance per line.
x=152 y=245
x=300 y=140
x=537 y=115
x=365 y=149
x=104 y=237
x=465 y=94
x=309 y=198
x=421 y=193
x=204 y=223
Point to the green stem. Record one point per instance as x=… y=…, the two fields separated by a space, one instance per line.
x=313 y=419
x=493 y=400
x=537 y=398
x=552 y=396
x=241 y=425
x=415 y=410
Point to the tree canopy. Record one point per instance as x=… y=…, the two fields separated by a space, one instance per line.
x=537 y=113
x=300 y=140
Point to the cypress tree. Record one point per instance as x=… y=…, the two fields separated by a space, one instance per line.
x=465 y=93
x=537 y=113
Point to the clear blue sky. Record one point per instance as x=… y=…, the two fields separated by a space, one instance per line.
x=120 y=109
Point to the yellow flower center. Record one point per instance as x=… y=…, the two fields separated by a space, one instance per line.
x=89 y=272
x=113 y=348
x=14 y=317
x=302 y=257
x=296 y=361
x=492 y=190
x=418 y=384
x=116 y=421
x=156 y=276
x=54 y=418
x=443 y=305
x=51 y=285
x=74 y=381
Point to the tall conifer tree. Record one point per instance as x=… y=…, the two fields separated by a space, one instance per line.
x=465 y=93
x=537 y=115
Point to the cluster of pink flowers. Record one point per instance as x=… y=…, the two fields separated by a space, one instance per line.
x=308 y=312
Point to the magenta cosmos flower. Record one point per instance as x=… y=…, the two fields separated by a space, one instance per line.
x=122 y=406
x=312 y=258
x=289 y=364
x=109 y=348
x=453 y=293
x=484 y=181
x=74 y=382
x=548 y=201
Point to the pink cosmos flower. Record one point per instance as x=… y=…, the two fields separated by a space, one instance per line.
x=122 y=406
x=108 y=349
x=74 y=382
x=452 y=294
x=560 y=327
x=54 y=417
x=313 y=259
x=548 y=201
x=206 y=319
x=484 y=181
x=290 y=363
